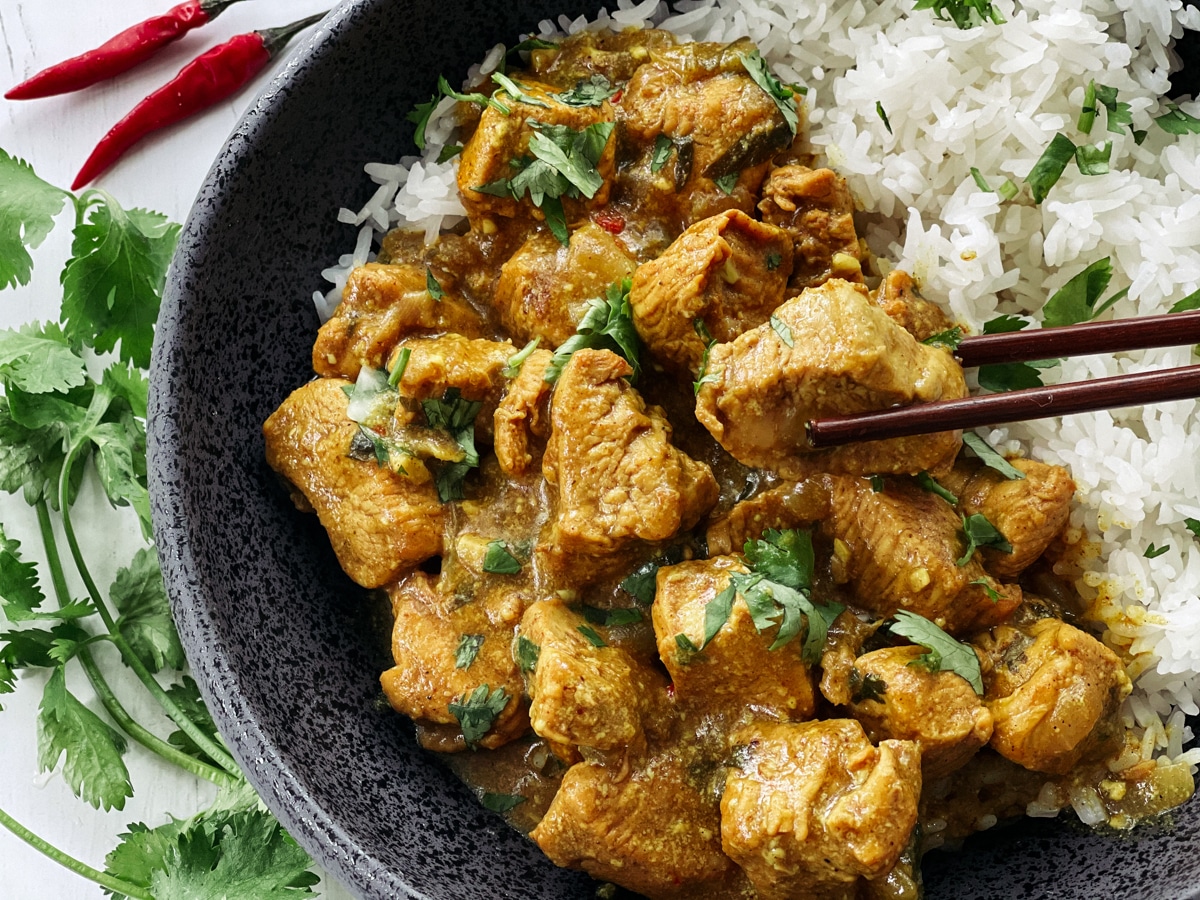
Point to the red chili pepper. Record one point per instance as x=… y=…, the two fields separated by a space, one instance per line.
x=208 y=79
x=132 y=46
x=612 y=222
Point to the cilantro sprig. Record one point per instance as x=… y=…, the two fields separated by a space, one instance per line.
x=58 y=424
x=782 y=95
x=777 y=591
x=964 y=14
x=942 y=652
x=607 y=325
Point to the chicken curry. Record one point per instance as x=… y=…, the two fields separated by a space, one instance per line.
x=680 y=648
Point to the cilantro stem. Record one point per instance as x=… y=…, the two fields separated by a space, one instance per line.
x=104 y=880
x=104 y=692
x=177 y=715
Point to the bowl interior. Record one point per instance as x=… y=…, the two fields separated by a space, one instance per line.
x=286 y=650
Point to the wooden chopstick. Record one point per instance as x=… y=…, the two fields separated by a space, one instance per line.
x=1170 y=330
x=1014 y=406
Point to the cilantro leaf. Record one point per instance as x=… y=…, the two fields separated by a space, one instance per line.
x=20 y=595
x=31 y=648
x=476 y=712
x=866 y=687
x=145 y=613
x=607 y=325
x=1192 y=525
x=883 y=117
x=112 y=285
x=186 y=696
x=1087 y=112
x=456 y=415
x=717 y=612
x=1119 y=114
x=476 y=98
x=28 y=206
x=31 y=459
x=448 y=152
x=1000 y=377
x=784 y=97
x=516 y=92
x=611 y=617
x=992 y=593
x=686 y=649
x=1004 y=324
x=662 y=152
x=727 y=182
x=1050 y=166
x=39 y=361
x=1093 y=159
x=877 y=484
x=526 y=654
x=928 y=483
x=499 y=561
x=419 y=115
x=592 y=92
x=1191 y=301
x=93 y=767
x=432 y=285
x=641 y=582
x=249 y=856
x=1075 y=301
x=1176 y=121
x=591 y=636
x=990 y=457
x=945 y=654
x=1153 y=552
x=948 y=340
x=782 y=329
x=500 y=803
x=979 y=532
x=964 y=14
x=573 y=154
x=785 y=557
x=468 y=649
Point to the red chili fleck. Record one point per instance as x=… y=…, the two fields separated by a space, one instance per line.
x=207 y=79
x=671 y=691
x=612 y=222
x=616 y=98
x=119 y=54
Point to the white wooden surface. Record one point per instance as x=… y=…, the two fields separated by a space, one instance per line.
x=163 y=173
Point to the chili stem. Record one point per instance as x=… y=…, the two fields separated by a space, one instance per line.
x=101 y=878
x=177 y=715
x=100 y=685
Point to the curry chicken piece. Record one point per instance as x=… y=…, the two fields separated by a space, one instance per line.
x=814 y=207
x=378 y=522
x=897 y=296
x=726 y=274
x=544 y=287
x=1052 y=690
x=583 y=695
x=1030 y=512
x=719 y=122
x=501 y=140
x=426 y=679
x=647 y=826
x=898 y=698
x=828 y=352
x=521 y=423
x=811 y=807
x=619 y=479
x=614 y=54
x=900 y=549
x=736 y=671
x=381 y=304
x=786 y=505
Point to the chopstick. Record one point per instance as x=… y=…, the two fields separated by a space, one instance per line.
x=1114 y=392
x=1014 y=406
x=1170 y=330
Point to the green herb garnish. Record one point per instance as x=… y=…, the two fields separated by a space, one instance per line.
x=512 y=368
x=927 y=482
x=662 y=152
x=468 y=649
x=457 y=416
x=782 y=329
x=979 y=532
x=592 y=636
x=607 y=325
x=433 y=286
x=514 y=90
x=1153 y=552
x=948 y=339
x=727 y=182
x=1050 y=166
x=1076 y=301
x=477 y=712
x=397 y=373
x=783 y=95
x=989 y=456
x=591 y=92
x=1176 y=121
x=943 y=653
x=500 y=803
x=883 y=117
x=526 y=654
x=866 y=687
x=499 y=561
x=964 y=14
x=476 y=98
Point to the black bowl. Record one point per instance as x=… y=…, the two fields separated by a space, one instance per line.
x=282 y=644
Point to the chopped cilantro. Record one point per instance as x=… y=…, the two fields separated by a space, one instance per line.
x=783 y=96
x=1050 y=166
x=882 y=113
x=686 y=649
x=928 y=483
x=979 y=532
x=433 y=286
x=943 y=653
x=477 y=712
x=526 y=653
x=515 y=91
x=662 y=152
x=991 y=592
x=592 y=92
x=877 y=483
x=607 y=325
x=999 y=377
x=476 y=98
x=457 y=416
x=499 y=561
x=1190 y=302
x=703 y=376
x=592 y=636
x=468 y=649
x=1076 y=301
x=610 y=617
x=641 y=582
x=529 y=44
x=512 y=368
x=448 y=152
x=1004 y=324
x=401 y=364
x=866 y=687
x=1094 y=159
x=419 y=115
x=1152 y=552
x=717 y=612
x=964 y=14
x=948 y=339
x=1176 y=121
x=990 y=457
x=727 y=182
x=781 y=328
x=1192 y=525
x=500 y=803
x=774 y=261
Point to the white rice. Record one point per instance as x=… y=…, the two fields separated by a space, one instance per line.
x=991 y=97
